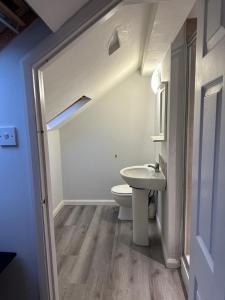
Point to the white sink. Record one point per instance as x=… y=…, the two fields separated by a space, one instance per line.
x=144 y=177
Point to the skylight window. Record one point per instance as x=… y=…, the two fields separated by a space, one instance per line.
x=67 y=113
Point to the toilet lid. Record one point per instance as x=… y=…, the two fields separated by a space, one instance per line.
x=121 y=189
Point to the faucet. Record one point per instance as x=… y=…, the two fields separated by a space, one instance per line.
x=156 y=167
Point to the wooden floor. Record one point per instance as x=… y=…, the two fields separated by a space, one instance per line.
x=97 y=259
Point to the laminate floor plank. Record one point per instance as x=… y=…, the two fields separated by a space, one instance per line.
x=70 y=237
x=88 y=248
x=100 y=266
x=97 y=259
x=74 y=292
x=62 y=216
x=65 y=266
x=128 y=277
x=80 y=229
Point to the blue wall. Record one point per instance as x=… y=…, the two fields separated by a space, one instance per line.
x=20 y=280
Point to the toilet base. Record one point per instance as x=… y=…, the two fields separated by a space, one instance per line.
x=125 y=214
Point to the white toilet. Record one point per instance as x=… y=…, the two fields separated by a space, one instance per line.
x=122 y=194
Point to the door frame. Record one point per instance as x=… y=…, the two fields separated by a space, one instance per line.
x=184 y=264
x=37 y=137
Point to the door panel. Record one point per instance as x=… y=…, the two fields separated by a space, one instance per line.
x=207 y=268
x=208 y=157
x=197 y=292
x=215 y=22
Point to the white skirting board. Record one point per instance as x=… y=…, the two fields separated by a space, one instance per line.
x=81 y=202
x=89 y=202
x=58 y=208
x=184 y=274
x=171 y=263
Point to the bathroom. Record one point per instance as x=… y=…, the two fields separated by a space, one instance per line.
x=112 y=148
x=103 y=115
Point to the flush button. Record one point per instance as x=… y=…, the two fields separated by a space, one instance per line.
x=8 y=136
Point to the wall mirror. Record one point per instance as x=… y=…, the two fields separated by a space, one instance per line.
x=161 y=118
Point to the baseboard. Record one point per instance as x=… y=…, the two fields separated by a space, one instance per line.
x=170 y=262
x=89 y=202
x=58 y=208
x=184 y=274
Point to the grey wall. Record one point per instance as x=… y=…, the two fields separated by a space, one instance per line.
x=120 y=123
x=162 y=149
x=20 y=280
x=176 y=143
x=170 y=201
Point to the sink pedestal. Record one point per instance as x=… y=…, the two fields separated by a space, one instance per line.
x=140 y=216
x=142 y=179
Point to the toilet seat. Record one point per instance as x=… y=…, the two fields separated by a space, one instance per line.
x=122 y=190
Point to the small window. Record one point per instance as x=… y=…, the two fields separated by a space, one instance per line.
x=67 y=113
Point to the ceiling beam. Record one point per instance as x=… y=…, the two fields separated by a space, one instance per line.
x=11 y=15
x=169 y=18
x=148 y=36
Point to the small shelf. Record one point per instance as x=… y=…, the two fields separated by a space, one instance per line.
x=158 y=138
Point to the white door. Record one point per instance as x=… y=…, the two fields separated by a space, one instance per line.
x=207 y=269
x=46 y=194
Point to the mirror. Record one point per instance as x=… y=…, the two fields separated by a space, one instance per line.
x=161 y=119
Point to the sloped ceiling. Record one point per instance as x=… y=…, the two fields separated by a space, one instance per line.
x=85 y=68
x=169 y=18
x=56 y=12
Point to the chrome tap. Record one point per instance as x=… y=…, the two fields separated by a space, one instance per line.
x=155 y=167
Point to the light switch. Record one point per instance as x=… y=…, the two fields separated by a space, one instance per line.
x=8 y=136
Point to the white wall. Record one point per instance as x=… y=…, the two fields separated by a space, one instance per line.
x=120 y=123
x=55 y=167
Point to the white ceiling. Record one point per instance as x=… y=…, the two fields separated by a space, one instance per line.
x=169 y=18
x=85 y=68
x=56 y=12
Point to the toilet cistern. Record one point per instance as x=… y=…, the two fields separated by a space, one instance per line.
x=142 y=179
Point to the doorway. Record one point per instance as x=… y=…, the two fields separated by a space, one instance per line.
x=44 y=165
x=94 y=249
x=89 y=237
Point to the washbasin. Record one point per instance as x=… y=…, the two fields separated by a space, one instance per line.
x=144 y=177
